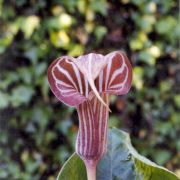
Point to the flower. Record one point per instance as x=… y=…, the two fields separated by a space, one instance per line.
x=86 y=83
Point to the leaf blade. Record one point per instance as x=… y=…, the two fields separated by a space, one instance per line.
x=121 y=162
x=73 y=169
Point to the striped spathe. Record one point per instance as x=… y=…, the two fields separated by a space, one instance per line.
x=86 y=83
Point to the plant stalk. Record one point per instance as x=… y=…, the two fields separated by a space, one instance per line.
x=91 y=171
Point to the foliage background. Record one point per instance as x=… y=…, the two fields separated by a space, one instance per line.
x=37 y=133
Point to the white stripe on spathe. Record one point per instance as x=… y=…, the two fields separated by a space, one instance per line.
x=86 y=87
x=66 y=73
x=108 y=73
x=90 y=119
x=85 y=130
x=77 y=73
x=100 y=81
x=100 y=119
x=116 y=73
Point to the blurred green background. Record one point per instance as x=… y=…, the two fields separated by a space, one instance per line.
x=37 y=133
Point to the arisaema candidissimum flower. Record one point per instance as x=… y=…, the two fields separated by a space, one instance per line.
x=86 y=83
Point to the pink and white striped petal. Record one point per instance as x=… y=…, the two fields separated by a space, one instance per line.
x=67 y=83
x=116 y=77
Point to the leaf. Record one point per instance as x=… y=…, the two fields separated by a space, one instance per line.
x=29 y=24
x=138 y=77
x=100 y=32
x=121 y=162
x=76 y=50
x=73 y=169
x=21 y=95
x=166 y=25
x=4 y=100
x=60 y=38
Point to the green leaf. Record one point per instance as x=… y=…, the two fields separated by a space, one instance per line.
x=162 y=156
x=29 y=24
x=121 y=162
x=99 y=6
x=21 y=94
x=166 y=25
x=76 y=50
x=100 y=32
x=4 y=99
x=176 y=99
x=60 y=38
x=73 y=169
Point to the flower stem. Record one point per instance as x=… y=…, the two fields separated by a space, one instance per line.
x=91 y=172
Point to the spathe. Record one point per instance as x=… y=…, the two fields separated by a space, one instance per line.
x=86 y=83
